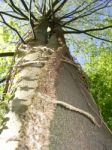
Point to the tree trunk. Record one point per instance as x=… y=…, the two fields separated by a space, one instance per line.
x=43 y=76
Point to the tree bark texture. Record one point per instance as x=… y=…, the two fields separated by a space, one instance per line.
x=42 y=74
x=70 y=130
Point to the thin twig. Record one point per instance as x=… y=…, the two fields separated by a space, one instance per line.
x=72 y=12
x=76 y=31
x=88 y=12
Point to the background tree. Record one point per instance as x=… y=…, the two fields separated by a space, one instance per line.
x=96 y=62
x=44 y=74
x=99 y=71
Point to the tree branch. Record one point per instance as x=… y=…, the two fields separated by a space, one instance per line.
x=2 y=80
x=31 y=20
x=26 y=8
x=4 y=22
x=88 y=5
x=88 y=30
x=14 y=7
x=102 y=39
x=52 y=6
x=72 y=12
x=6 y=54
x=89 y=12
x=37 y=7
x=93 y=10
x=76 y=31
x=43 y=8
x=11 y=15
x=60 y=6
